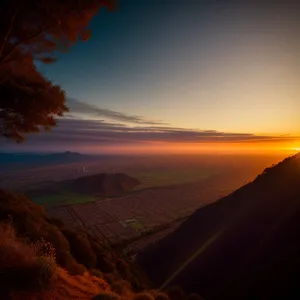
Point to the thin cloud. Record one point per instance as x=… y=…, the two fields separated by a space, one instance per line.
x=79 y=107
x=75 y=133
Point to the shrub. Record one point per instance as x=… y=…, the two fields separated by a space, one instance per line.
x=159 y=295
x=47 y=271
x=104 y=264
x=96 y=273
x=107 y=296
x=67 y=261
x=52 y=234
x=81 y=248
x=43 y=248
x=110 y=278
x=21 y=268
x=123 y=267
x=122 y=287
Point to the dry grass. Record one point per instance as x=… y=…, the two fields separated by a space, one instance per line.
x=158 y=295
x=22 y=269
x=67 y=287
x=29 y=272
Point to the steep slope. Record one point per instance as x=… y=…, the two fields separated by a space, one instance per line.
x=28 y=271
x=245 y=246
x=76 y=251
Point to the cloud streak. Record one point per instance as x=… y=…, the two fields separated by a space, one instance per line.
x=75 y=133
x=79 y=107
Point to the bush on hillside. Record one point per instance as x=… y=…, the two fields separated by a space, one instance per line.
x=96 y=272
x=21 y=268
x=158 y=295
x=105 y=264
x=123 y=288
x=81 y=248
x=75 y=251
x=68 y=262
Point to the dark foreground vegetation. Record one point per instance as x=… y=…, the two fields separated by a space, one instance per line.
x=40 y=258
x=244 y=246
x=74 y=251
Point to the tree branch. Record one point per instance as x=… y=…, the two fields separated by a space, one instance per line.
x=33 y=36
x=11 y=25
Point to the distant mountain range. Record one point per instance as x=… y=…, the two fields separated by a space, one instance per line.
x=244 y=246
x=8 y=158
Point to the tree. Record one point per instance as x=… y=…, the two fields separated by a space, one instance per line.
x=30 y=31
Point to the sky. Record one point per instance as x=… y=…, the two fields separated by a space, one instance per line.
x=181 y=76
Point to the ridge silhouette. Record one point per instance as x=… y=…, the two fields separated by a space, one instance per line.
x=257 y=254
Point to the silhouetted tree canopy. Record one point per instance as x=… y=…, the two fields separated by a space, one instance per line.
x=30 y=31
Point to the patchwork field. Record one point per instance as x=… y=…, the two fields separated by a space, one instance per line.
x=171 y=189
x=132 y=217
x=165 y=177
x=62 y=199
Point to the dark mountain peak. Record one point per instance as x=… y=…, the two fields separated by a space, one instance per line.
x=104 y=184
x=244 y=246
x=72 y=153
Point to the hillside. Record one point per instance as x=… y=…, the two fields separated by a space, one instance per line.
x=42 y=259
x=101 y=185
x=75 y=251
x=244 y=246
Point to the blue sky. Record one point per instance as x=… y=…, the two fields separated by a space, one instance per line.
x=230 y=67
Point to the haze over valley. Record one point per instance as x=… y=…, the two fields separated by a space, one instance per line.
x=165 y=189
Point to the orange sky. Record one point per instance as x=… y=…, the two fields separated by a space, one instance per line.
x=283 y=148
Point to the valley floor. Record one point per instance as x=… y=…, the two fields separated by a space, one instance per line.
x=145 y=216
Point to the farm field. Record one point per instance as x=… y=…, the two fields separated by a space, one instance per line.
x=128 y=217
x=166 y=177
x=171 y=189
x=62 y=199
